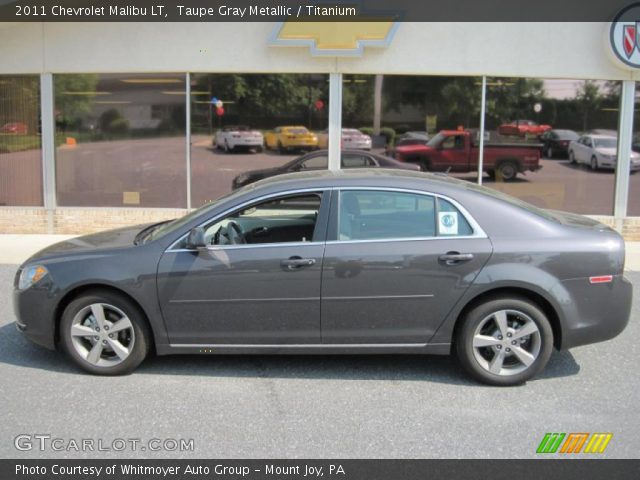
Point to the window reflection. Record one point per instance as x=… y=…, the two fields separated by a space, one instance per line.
x=120 y=140
x=246 y=127
x=573 y=123
x=20 y=145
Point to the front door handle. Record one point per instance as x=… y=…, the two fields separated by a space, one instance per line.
x=454 y=258
x=294 y=263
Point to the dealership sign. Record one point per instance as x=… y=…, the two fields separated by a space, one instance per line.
x=624 y=37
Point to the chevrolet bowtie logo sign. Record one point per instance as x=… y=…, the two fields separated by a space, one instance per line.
x=334 y=39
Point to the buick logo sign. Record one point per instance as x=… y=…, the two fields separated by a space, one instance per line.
x=624 y=36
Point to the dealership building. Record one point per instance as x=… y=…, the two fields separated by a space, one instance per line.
x=110 y=124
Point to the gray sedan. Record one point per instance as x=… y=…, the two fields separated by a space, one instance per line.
x=360 y=261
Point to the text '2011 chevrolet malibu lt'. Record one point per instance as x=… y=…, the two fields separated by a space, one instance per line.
x=362 y=261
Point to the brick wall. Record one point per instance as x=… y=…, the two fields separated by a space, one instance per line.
x=79 y=220
x=87 y=220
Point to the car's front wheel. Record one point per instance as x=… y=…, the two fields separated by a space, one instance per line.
x=504 y=341
x=105 y=333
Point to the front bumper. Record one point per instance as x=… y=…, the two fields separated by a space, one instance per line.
x=35 y=312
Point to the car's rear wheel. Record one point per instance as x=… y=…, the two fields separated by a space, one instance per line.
x=105 y=333
x=507 y=170
x=504 y=341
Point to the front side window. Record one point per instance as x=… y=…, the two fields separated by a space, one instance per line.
x=356 y=161
x=315 y=163
x=284 y=219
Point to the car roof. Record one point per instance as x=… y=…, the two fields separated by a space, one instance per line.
x=375 y=177
x=600 y=136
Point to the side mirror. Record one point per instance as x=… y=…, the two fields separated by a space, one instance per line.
x=195 y=239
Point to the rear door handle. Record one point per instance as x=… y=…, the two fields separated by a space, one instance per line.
x=294 y=263
x=454 y=258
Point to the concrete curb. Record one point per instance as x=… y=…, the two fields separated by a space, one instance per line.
x=15 y=249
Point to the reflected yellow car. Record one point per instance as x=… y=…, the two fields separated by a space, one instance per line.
x=285 y=139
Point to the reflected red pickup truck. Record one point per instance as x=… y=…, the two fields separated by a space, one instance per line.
x=456 y=151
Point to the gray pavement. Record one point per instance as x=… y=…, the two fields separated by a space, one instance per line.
x=316 y=406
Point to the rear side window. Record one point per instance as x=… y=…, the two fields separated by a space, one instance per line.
x=378 y=215
x=373 y=215
x=451 y=223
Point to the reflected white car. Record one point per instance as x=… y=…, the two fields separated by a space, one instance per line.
x=231 y=139
x=352 y=139
x=599 y=151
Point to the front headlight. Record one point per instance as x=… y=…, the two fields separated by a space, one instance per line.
x=31 y=275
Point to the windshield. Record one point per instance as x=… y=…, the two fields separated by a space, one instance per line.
x=605 y=142
x=514 y=201
x=566 y=135
x=435 y=141
x=296 y=131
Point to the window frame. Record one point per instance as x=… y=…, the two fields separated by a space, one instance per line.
x=320 y=227
x=334 y=219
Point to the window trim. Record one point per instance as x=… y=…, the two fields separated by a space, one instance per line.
x=332 y=236
x=324 y=203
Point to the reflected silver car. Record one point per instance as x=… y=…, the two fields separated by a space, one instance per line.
x=359 y=261
x=599 y=151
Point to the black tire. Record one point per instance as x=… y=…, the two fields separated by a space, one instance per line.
x=474 y=318
x=140 y=327
x=281 y=149
x=508 y=170
x=425 y=164
x=594 y=163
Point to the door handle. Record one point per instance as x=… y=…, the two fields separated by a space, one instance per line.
x=294 y=263
x=454 y=258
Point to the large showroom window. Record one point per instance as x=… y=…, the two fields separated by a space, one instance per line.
x=245 y=127
x=633 y=205
x=120 y=140
x=20 y=144
x=575 y=122
x=400 y=114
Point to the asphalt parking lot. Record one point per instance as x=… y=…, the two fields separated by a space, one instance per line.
x=316 y=406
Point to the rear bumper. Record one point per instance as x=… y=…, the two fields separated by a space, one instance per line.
x=593 y=313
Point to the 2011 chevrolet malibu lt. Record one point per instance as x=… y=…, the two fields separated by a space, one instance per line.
x=362 y=261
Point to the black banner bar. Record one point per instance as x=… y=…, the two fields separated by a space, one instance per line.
x=309 y=10
x=547 y=469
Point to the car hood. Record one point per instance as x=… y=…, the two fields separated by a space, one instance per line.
x=262 y=173
x=607 y=151
x=419 y=147
x=110 y=239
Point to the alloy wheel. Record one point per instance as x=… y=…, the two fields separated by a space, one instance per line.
x=102 y=334
x=506 y=342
